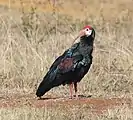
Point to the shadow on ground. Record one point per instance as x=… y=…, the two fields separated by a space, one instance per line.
x=97 y=105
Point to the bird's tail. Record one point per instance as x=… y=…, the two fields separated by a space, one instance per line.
x=46 y=84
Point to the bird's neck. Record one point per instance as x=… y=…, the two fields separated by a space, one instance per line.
x=86 y=45
x=86 y=41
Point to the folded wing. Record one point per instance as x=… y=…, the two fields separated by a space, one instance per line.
x=63 y=65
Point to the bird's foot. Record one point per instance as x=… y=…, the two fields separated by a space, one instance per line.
x=70 y=97
x=76 y=96
x=39 y=98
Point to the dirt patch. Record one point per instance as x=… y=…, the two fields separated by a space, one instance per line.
x=97 y=105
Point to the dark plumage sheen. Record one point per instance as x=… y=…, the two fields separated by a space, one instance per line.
x=71 y=66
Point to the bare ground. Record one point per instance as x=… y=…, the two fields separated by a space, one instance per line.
x=96 y=105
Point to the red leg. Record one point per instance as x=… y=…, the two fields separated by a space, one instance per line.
x=71 y=90
x=75 y=88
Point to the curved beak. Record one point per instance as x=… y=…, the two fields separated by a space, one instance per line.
x=81 y=33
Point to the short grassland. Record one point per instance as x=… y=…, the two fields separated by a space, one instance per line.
x=30 y=40
x=59 y=113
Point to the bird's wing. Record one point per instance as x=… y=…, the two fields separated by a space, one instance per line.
x=69 y=64
x=68 y=61
x=62 y=64
x=67 y=54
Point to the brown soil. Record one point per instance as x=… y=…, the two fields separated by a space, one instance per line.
x=98 y=105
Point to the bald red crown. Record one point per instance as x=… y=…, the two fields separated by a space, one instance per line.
x=87 y=27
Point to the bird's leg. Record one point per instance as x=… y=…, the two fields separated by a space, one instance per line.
x=40 y=98
x=71 y=90
x=75 y=88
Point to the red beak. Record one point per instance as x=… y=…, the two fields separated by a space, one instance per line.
x=81 y=33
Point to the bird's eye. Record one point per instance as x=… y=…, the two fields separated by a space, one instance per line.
x=87 y=29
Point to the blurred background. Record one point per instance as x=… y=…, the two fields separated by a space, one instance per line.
x=35 y=32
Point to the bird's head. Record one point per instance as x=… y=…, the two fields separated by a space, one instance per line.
x=87 y=32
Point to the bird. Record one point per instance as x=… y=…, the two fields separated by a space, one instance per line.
x=70 y=67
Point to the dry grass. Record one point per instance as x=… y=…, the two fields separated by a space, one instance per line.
x=59 y=113
x=29 y=42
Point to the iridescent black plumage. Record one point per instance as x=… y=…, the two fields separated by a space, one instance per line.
x=70 y=67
